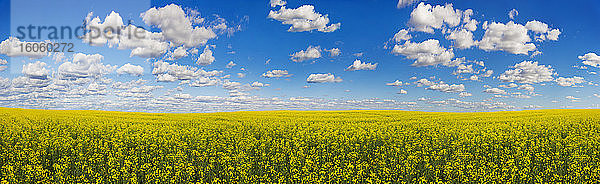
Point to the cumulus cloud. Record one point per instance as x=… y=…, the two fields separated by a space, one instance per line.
x=553 y=34
x=402 y=35
x=404 y=3
x=358 y=65
x=258 y=84
x=537 y=26
x=275 y=3
x=85 y=66
x=3 y=64
x=303 y=18
x=231 y=64
x=462 y=38
x=206 y=58
x=179 y=52
x=440 y=86
x=275 y=74
x=36 y=70
x=528 y=72
x=308 y=54
x=527 y=87
x=176 y=27
x=426 y=53
x=402 y=91
x=166 y=72
x=462 y=68
x=321 y=78
x=465 y=94
x=590 y=59
x=426 y=18
x=204 y=81
x=12 y=48
x=470 y=24
x=561 y=81
x=542 y=31
x=572 y=98
x=509 y=37
x=443 y=87
x=496 y=91
x=513 y=13
x=143 y=44
x=397 y=83
x=130 y=69
x=333 y=52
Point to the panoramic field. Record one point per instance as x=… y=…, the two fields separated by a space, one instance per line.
x=295 y=146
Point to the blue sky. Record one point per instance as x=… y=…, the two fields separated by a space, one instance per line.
x=544 y=56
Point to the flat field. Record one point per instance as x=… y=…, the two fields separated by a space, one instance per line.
x=49 y=146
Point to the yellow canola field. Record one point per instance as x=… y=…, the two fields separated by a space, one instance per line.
x=544 y=146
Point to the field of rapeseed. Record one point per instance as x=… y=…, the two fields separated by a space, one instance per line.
x=548 y=146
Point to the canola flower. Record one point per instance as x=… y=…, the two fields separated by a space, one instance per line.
x=545 y=146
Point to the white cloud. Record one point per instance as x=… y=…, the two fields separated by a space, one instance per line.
x=333 y=52
x=176 y=27
x=440 y=86
x=258 y=84
x=488 y=73
x=561 y=81
x=426 y=18
x=275 y=74
x=131 y=70
x=572 y=98
x=443 y=87
x=462 y=68
x=179 y=52
x=465 y=94
x=527 y=87
x=206 y=58
x=402 y=35
x=12 y=48
x=166 y=72
x=275 y=3
x=3 y=65
x=36 y=70
x=97 y=35
x=397 y=83
x=142 y=43
x=402 y=91
x=553 y=34
x=470 y=24
x=231 y=64
x=537 y=26
x=426 y=53
x=358 y=65
x=165 y=77
x=513 y=13
x=204 y=81
x=590 y=59
x=321 y=78
x=424 y=82
x=496 y=91
x=462 y=38
x=303 y=18
x=85 y=66
x=310 y=53
x=404 y=3
x=511 y=85
x=146 y=45
x=510 y=37
x=528 y=72
x=542 y=31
